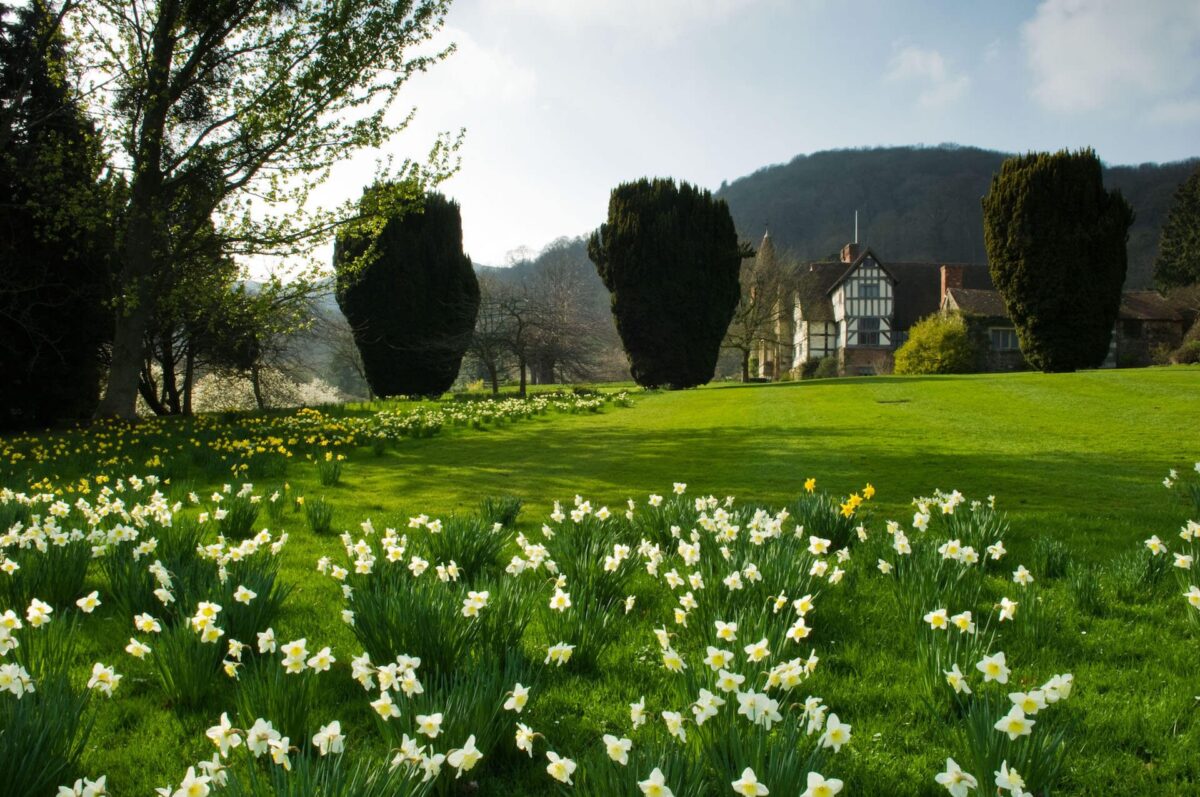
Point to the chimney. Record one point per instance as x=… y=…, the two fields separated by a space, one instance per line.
x=952 y=277
x=850 y=252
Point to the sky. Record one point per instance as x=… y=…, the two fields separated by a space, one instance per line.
x=562 y=100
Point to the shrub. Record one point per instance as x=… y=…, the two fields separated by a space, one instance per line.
x=1187 y=354
x=827 y=368
x=940 y=344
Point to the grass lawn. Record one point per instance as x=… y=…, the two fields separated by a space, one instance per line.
x=1079 y=458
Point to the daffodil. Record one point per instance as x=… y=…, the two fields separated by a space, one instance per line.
x=517 y=698
x=955 y=780
x=465 y=758
x=655 y=785
x=329 y=738
x=89 y=602
x=1015 y=723
x=560 y=768
x=993 y=668
x=820 y=786
x=749 y=785
x=836 y=734
x=429 y=724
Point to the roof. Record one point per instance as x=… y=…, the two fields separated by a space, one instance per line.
x=974 y=301
x=918 y=286
x=1148 y=306
x=813 y=284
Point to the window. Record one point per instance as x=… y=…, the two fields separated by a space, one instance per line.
x=868 y=332
x=1004 y=339
x=869 y=290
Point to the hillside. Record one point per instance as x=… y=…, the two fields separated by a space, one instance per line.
x=917 y=203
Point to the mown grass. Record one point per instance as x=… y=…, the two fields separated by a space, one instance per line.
x=1077 y=457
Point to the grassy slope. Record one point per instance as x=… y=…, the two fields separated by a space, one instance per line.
x=1081 y=454
x=1077 y=456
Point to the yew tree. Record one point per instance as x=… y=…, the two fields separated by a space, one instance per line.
x=670 y=257
x=1056 y=250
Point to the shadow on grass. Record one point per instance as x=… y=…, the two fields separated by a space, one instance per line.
x=1079 y=497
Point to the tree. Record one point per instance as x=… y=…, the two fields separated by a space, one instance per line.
x=1056 y=249
x=489 y=345
x=225 y=101
x=669 y=256
x=941 y=344
x=761 y=313
x=569 y=331
x=56 y=230
x=1178 y=263
x=411 y=297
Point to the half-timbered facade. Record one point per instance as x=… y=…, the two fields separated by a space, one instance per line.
x=859 y=308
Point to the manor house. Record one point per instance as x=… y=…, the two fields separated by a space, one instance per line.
x=858 y=309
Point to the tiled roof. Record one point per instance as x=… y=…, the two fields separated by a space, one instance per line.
x=977 y=302
x=1148 y=306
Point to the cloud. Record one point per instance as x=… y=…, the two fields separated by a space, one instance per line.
x=1176 y=113
x=1090 y=55
x=927 y=68
x=661 y=20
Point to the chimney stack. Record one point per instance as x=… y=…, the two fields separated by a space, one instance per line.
x=850 y=252
x=952 y=277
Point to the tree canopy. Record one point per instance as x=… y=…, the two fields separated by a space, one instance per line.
x=411 y=297
x=214 y=104
x=57 y=230
x=1056 y=249
x=670 y=257
x=1178 y=263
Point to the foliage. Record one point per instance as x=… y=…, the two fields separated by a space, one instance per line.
x=1178 y=263
x=940 y=344
x=826 y=368
x=669 y=256
x=57 y=230
x=1056 y=249
x=410 y=295
x=1187 y=354
x=221 y=106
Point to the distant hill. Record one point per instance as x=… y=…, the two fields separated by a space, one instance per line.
x=917 y=203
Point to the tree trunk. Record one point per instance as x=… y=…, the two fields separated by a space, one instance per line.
x=494 y=373
x=170 y=388
x=256 y=383
x=141 y=251
x=189 y=378
x=521 y=393
x=147 y=388
x=745 y=366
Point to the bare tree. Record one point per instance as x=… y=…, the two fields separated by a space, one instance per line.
x=489 y=343
x=760 y=320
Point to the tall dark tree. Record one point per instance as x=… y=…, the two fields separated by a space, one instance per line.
x=411 y=297
x=55 y=230
x=1178 y=263
x=1056 y=248
x=670 y=257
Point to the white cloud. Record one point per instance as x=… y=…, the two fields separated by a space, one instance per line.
x=473 y=74
x=1089 y=55
x=927 y=68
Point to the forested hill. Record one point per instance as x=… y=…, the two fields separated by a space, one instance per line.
x=917 y=203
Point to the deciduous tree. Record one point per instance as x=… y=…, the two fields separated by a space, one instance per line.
x=222 y=101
